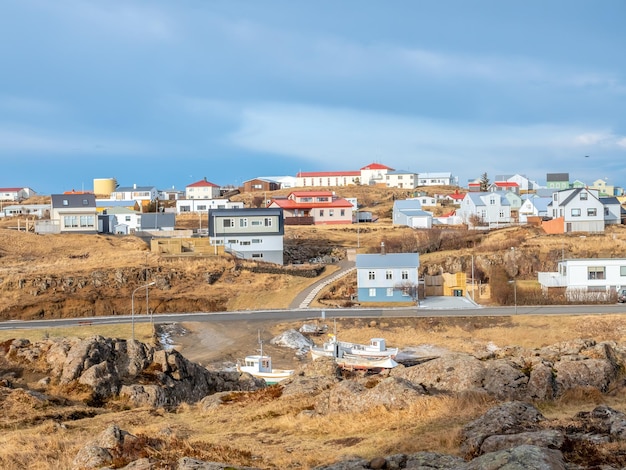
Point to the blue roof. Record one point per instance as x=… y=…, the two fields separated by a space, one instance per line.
x=391 y=260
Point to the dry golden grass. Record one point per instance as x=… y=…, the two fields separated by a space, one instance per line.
x=143 y=332
x=259 y=429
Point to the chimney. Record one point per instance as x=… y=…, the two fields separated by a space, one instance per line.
x=382 y=248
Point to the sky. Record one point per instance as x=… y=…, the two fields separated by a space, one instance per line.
x=164 y=93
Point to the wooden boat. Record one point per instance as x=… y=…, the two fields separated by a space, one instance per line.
x=260 y=365
x=349 y=361
x=377 y=349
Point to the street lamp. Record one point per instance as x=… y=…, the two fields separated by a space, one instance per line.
x=514 y=282
x=132 y=304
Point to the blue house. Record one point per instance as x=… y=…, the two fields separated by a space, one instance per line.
x=387 y=277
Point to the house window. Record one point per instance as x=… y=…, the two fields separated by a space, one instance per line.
x=257 y=255
x=86 y=221
x=70 y=221
x=501 y=214
x=405 y=275
x=268 y=222
x=331 y=212
x=389 y=275
x=257 y=240
x=622 y=271
x=85 y=202
x=245 y=243
x=371 y=275
x=256 y=223
x=575 y=212
x=201 y=208
x=595 y=272
x=372 y=292
x=492 y=201
x=321 y=212
x=592 y=212
x=606 y=211
x=583 y=196
x=342 y=212
x=127 y=218
x=185 y=208
x=243 y=223
x=232 y=242
x=389 y=291
x=66 y=202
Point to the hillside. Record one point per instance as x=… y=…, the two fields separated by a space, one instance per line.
x=54 y=276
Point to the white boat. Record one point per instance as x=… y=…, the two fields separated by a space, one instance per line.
x=260 y=365
x=377 y=349
x=349 y=361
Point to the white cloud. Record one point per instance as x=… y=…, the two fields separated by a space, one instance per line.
x=344 y=138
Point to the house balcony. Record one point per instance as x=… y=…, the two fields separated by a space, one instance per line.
x=551 y=279
x=299 y=220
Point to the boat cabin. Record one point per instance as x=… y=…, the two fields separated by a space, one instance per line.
x=259 y=363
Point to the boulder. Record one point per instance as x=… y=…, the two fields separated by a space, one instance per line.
x=505 y=419
x=524 y=457
x=454 y=372
x=102 y=450
x=361 y=394
x=187 y=463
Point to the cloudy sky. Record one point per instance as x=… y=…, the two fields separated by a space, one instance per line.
x=165 y=93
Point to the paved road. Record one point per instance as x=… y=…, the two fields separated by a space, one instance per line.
x=306 y=314
x=304 y=298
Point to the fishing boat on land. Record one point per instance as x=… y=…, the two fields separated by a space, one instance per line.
x=376 y=349
x=350 y=361
x=260 y=366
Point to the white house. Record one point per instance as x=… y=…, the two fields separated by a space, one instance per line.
x=409 y=212
x=202 y=189
x=125 y=221
x=401 y=179
x=184 y=206
x=249 y=233
x=612 y=210
x=587 y=277
x=135 y=193
x=30 y=210
x=375 y=174
x=16 y=194
x=533 y=207
x=387 y=277
x=581 y=210
x=490 y=208
x=70 y=213
x=437 y=179
x=524 y=184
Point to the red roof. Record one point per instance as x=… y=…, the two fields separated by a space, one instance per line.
x=506 y=184
x=312 y=174
x=376 y=166
x=457 y=196
x=201 y=183
x=10 y=190
x=291 y=204
x=310 y=193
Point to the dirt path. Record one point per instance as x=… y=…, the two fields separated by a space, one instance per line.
x=218 y=345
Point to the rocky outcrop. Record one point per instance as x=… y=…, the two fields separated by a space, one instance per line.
x=361 y=394
x=115 y=368
x=104 y=449
x=517 y=374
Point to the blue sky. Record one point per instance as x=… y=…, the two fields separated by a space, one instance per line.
x=166 y=92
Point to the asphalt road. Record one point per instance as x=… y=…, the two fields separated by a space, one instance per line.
x=304 y=314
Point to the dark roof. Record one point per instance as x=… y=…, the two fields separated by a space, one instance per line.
x=557 y=177
x=245 y=211
x=73 y=200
